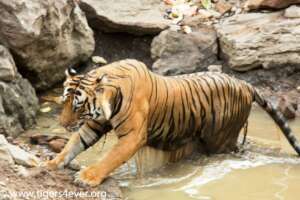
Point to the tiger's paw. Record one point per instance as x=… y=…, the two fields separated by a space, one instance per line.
x=88 y=177
x=52 y=165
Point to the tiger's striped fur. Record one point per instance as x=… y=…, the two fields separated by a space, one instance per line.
x=167 y=113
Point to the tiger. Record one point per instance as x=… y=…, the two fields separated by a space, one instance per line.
x=147 y=109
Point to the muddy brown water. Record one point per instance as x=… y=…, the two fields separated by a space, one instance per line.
x=266 y=168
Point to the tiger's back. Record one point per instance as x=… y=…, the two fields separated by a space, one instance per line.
x=206 y=107
x=210 y=108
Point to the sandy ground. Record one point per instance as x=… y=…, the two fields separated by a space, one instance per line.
x=38 y=183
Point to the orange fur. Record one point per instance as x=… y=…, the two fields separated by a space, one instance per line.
x=150 y=105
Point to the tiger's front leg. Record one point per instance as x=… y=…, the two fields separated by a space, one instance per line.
x=127 y=146
x=70 y=151
x=86 y=136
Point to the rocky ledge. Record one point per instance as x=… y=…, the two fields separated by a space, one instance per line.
x=138 y=17
x=18 y=100
x=267 y=40
x=45 y=38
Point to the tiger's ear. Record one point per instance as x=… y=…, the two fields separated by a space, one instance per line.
x=70 y=72
x=103 y=79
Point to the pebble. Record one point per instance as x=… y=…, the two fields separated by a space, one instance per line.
x=20 y=170
x=57 y=145
x=223 y=7
x=292 y=12
x=99 y=60
x=215 y=68
x=186 y=29
x=45 y=109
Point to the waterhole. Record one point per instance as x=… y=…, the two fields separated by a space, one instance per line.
x=265 y=168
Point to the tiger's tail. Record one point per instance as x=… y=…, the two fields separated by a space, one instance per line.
x=279 y=120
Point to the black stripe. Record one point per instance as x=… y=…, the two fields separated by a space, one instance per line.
x=85 y=145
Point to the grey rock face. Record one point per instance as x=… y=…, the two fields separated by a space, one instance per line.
x=253 y=40
x=8 y=69
x=271 y=4
x=18 y=101
x=178 y=53
x=45 y=37
x=132 y=16
x=18 y=106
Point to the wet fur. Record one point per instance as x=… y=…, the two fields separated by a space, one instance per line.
x=169 y=114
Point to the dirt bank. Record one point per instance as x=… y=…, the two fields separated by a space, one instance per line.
x=38 y=183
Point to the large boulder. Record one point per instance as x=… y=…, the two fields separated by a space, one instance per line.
x=45 y=37
x=179 y=53
x=131 y=16
x=18 y=101
x=271 y=4
x=253 y=40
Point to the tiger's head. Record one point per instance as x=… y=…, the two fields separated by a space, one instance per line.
x=69 y=118
x=88 y=97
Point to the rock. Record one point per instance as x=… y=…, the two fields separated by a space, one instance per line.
x=45 y=37
x=292 y=12
x=4 y=152
x=57 y=145
x=22 y=157
x=18 y=101
x=206 y=14
x=214 y=68
x=138 y=17
x=287 y=108
x=298 y=88
x=21 y=171
x=253 y=40
x=271 y=4
x=44 y=139
x=223 y=7
x=99 y=60
x=18 y=155
x=8 y=69
x=178 y=53
x=18 y=106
